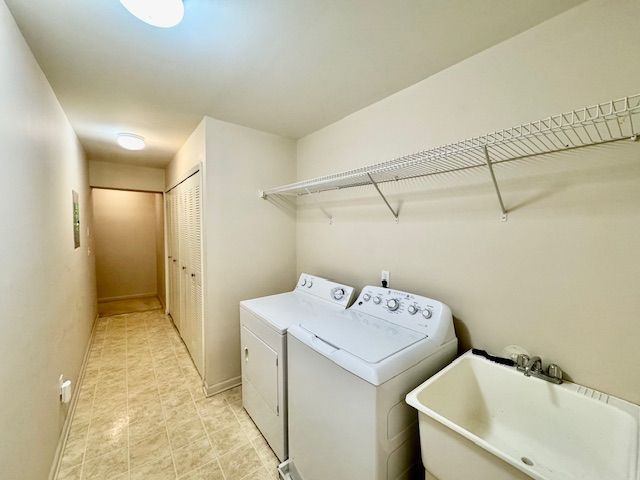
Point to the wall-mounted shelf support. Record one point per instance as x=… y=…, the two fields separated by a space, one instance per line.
x=326 y=214
x=596 y=124
x=495 y=184
x=393 y=212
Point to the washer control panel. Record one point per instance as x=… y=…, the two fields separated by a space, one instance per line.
x=325 y=289
x=402 y=308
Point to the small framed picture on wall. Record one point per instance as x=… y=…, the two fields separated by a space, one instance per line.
x=76 y=219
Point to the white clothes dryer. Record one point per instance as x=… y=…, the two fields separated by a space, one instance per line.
x=264 y=323
x=349 y=373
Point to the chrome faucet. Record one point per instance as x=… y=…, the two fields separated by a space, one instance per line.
x=532 y=367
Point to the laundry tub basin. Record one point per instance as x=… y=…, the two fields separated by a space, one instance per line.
x=484 y=421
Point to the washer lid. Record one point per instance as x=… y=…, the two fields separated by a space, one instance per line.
x=364 y=336
x=283 y=310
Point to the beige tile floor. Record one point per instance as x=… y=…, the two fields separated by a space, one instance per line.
x=142 y=414
x=117 y=307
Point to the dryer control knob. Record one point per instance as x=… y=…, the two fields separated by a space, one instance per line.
x=338 y=293
x=412 y=309
x=393 y=304
x=377 y=300
x=426 y=313
x=366 y=297
x=304 y=282
x=310 y=284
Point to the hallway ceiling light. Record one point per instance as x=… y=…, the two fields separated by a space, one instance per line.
x=159 y=13
x=131 y=141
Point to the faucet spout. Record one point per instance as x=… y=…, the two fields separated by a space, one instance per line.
x=534 y=365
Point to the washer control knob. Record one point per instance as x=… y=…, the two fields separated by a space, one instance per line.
x=304 y=282
x=412 y=309
x=377 y=300
x=393 y=304
x=310 y=284
x=366 y=297
x=426 y=313
x=338 y=293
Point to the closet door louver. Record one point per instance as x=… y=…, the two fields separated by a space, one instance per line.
x=188 y=242
x=196 y=274
x=176 y=257
x=184 y=260
x=173 y=257
x=168 y=198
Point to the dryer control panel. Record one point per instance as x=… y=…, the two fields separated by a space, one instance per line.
x=325 y=289
x=403 y=308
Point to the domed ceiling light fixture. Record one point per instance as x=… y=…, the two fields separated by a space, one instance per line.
x=159 y=13
x=130 y=141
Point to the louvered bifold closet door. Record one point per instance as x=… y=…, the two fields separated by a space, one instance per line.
x=196 y=274
x=184 y=260
x=168 y=198
x=188 y=337
x=175 y=262
x=184 y=223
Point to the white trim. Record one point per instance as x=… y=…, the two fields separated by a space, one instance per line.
x=128 y=297
x=167 y=265
x=203 y=268
x=66 y=427
x=192 y=171
x=210 y=390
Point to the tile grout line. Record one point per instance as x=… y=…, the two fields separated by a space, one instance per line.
x=164 y=418
x=249 y=439
x=151 y=325
x=264 y=465
x=206 y=432
x=93 y=401
x=126 y=380
x=195 y=404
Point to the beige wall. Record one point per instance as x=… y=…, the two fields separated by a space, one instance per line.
x=249 y=245
x=192 y=154
x=125 y=238
x=47 y=288
x=126 y=177
x=561 y=276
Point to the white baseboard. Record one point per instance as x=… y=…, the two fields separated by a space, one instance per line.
x=210 y=390
x=55 y=465
x=127 y=297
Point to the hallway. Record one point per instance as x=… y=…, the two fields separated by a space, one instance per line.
x=142 y=414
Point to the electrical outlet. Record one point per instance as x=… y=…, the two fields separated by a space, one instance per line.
x=384 y=277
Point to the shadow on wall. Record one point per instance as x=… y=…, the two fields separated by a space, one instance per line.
x=463 y=334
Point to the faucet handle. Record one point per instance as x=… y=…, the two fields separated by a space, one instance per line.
x=554 y=371
x=521 y=361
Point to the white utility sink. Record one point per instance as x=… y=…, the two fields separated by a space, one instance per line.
x=484 y=421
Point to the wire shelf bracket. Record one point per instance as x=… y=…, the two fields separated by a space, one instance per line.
x=597 y=124
x=321 y=208
x=393 y=212
x=503 y=217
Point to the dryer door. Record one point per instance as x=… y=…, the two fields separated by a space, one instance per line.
x=260 y=368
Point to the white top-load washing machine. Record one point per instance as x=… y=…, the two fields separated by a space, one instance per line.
x=264 y=322
x=349 y=373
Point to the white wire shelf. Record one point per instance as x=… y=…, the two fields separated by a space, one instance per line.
x=583 y=127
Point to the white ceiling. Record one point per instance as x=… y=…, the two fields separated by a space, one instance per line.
x=284 y=66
